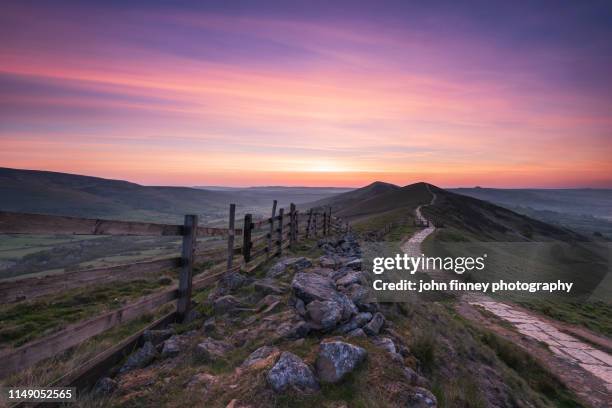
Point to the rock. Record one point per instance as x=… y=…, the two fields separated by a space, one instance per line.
x=355 y=264
x=357 y=321
x=313 y=286
x=157 y=336
x=351 y=278
x=192 y=316
x=373 y=327
x=336 y=359
x=348 y=307
x=356 y=333
x=258 y=355
x=358 y=294
x=202 y=380
x=172 y=347
x=386 y=344
x=300 y=307
x=421 y=398
x=105 y=386
x=209 y=325
x=325 y=314
x=288 y=265
x=141 y=358
x=291 y=372
x=414 y=378
x=226 y=304
x=233 y=281
x=328 y=262
x=268 y=287
x=210 y=349
x=293 y=329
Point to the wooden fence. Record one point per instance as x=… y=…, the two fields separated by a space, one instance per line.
x=261 y=240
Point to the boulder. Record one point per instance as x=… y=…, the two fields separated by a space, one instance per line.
x=336 y=359
x=355 y=264
x=386 y=344
x=373 y=327
x=209 y=325
x=211 y=349
x=313 y=286
x=226 y=304
x=290 y=372
x=105 y=386
x=324 y=314
x=268 y=286
x=287 y=265
x=351 y=278
x=141 y=358
x=258 y=355
x=233 y=281
x=173 y=346
x=421 y=398
x=357 y=293
x=356 y=322
x=296 y=329
x=356 y=333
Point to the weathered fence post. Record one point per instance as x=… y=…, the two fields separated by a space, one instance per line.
x=325 y=222
x=269 y=249
x=309 y=224
x=314 y=221
x=246 y=237
x=280 y=231
x=297 y=226
x=230 y=236
x=329 y=221
x=190 y=230
x=292 y=226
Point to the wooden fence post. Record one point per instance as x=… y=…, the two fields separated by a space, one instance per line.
x=190 y=229
x=325 y=222
x=297 y=226
x=329 y=221
x=314 y=221
x=292 y=226
x=269 y=249
x=246 y=237
x=280 y=231
x=309 y=224
x=230 y=236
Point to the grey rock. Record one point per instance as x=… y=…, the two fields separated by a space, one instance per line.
x=356 y=333
x=211 y=349
x=386 y=344
x=226 y=304
x=209 y=325
x=336 y=359
x=356 y=322
x=173 y=346
x=358 y=294
x=233 y=281
x=373 y=327
x=300 y=307
x=348 y=307
x=268 y=287
x=414 y=378
x=290 y=372
x=328 y=262
x=260 y=354
x=141 y=358
x=105 y=386
x=313 y=286
x=421 y=398
x=157 y=336
x=192 y=316
x=355 y=264
x=325 y=314
x=285 y=266
x=293 y=329
x=351 y=278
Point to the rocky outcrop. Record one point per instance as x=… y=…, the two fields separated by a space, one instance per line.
x=211 y=349
x=336 y=359
x=373 y=327
x=173 y=346
x=290 y=372
x=258 y=355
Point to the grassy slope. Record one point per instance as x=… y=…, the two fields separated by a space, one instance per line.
x=468 y=220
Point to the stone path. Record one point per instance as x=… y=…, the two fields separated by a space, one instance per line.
x=597 y=362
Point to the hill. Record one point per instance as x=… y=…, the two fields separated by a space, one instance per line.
x=49 y=192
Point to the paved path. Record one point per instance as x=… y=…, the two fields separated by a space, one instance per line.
x=597 y=362
x=570 y=349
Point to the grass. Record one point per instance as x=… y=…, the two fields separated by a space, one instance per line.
x=26 y=321
x=595 y=316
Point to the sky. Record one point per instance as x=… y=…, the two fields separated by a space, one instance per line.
x=313 y=93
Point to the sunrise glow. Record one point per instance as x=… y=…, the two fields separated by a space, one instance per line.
x=270 y=93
